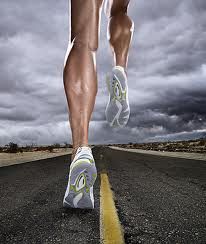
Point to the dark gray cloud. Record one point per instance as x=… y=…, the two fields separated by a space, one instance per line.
x=167 y=73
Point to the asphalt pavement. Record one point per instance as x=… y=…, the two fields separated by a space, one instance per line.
x=158 y=200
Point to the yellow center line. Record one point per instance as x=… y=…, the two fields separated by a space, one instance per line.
x=111 y=231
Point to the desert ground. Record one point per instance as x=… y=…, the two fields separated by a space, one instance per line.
x=190 y=146
x=7 y=159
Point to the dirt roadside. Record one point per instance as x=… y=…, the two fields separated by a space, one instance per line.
x=7 y=159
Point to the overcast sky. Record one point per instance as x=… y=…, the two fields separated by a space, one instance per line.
x=166 y=73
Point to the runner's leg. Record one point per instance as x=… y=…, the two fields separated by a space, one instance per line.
x=80 y=78
x=120 y=30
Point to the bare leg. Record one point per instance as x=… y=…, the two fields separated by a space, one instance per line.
x=80 y=78
x=120 y=30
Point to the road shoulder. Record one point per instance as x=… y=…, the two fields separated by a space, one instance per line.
x=7 y=159
x=194 y=156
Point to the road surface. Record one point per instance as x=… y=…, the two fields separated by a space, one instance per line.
x=158 y=200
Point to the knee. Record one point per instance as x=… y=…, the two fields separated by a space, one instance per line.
x=93 y=46
x=113 y=7
x=87 y=43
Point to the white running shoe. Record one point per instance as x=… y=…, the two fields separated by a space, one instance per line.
x=82 y=175
x=117 y=110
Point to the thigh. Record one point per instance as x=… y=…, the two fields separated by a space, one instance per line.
x=85 y=21
x=113 y=7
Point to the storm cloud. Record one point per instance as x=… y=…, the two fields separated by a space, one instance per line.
x=166 y=71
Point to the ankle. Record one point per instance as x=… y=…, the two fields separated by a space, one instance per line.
x=74 y=149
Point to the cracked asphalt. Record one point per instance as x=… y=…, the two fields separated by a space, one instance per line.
x=159 y=200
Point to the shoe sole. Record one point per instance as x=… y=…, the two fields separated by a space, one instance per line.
x=115 y=121
x=79 y=192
